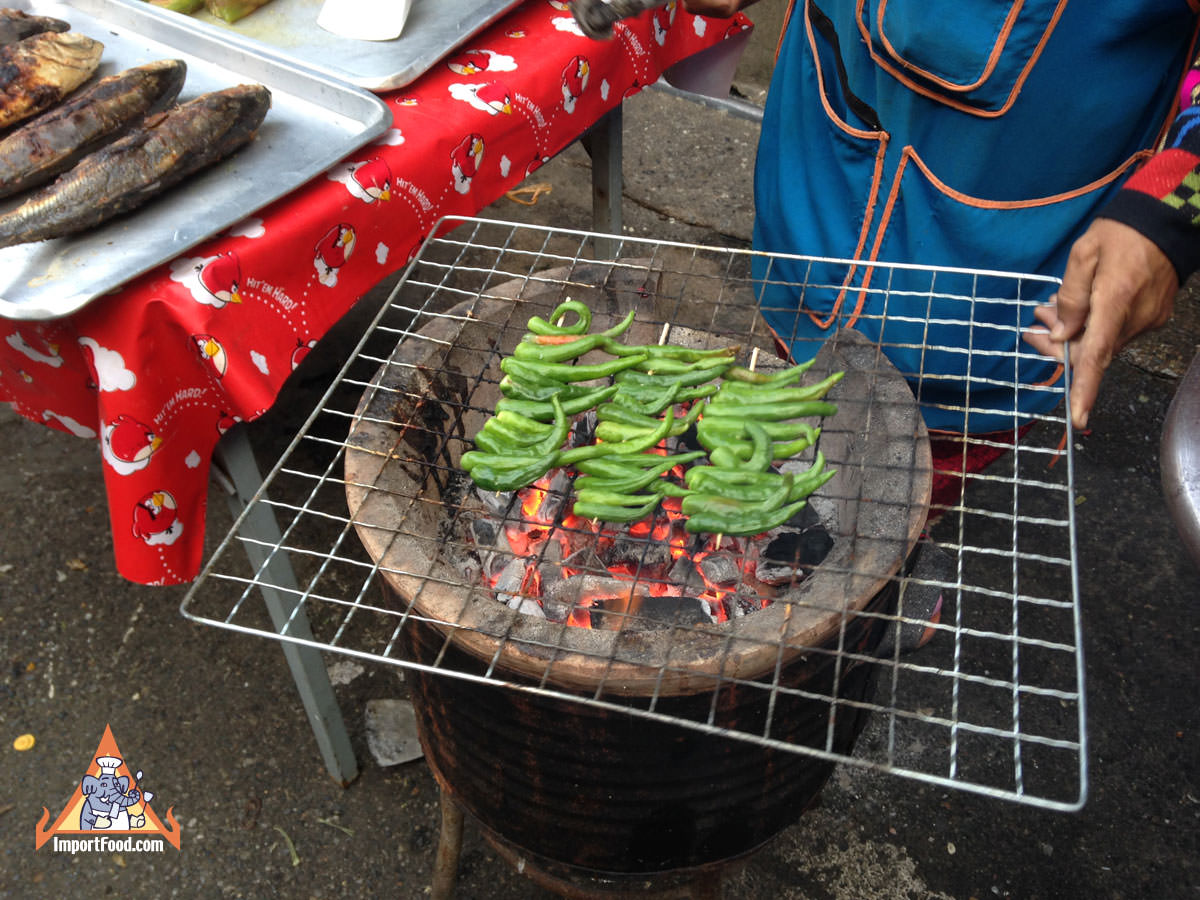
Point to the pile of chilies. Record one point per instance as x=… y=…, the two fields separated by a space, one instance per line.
x=745 y=420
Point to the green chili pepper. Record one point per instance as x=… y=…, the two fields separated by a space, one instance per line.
x=621 y=466
x=620 y=431
x=558 y=432
x=740 y=392
x=495 y=437
x=703 y=503
x=740 y=373
x=633 y=445
x=765 y=490
x=620 y=328
x=771 y=412
x=715 y=480
x=563 y=372
x=611 y=498
x=666 y=351
x=502 y=472
x=813 y=477
x=713 y=439
x=664 y=365
x=742 y=525
x=686 y=379
x=760 y=455
x=522 y=424
x=696 y=393
x=614 y=412
x=532 y=351
x=717 y=430
x=582 y=323
x=611 y=513
x=649 y=401
x=635 y=480
x=803 y=487
x=489 y=442
x=543 y=411
x=523 y=389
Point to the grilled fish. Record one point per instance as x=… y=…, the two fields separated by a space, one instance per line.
x=152 y=157
x=53 y=142
x=16 y=25
x=37 y=72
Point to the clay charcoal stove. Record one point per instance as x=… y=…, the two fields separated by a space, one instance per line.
x=619 y=707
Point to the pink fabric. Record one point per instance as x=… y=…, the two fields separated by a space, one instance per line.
x=159 y=370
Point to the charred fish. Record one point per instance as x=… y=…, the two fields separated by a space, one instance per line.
x=37 y=72
x=148 y=160
x=16 y=25
x=54 y=141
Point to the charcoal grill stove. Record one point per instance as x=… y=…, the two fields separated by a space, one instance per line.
x=652 y=749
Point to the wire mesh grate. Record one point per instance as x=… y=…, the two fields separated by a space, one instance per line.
x=790 y=640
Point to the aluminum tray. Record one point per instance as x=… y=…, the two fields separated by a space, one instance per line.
x=434 y=28
x=315 y=120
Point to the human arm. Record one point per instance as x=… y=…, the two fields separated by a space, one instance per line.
x=1123 y=273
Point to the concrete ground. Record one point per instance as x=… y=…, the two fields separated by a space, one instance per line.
x=213 y=718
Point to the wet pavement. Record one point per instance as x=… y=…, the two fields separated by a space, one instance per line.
x=213 y=719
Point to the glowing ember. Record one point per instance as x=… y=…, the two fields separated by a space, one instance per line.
x=592 y=574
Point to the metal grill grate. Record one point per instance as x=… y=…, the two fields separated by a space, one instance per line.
x=992 y=703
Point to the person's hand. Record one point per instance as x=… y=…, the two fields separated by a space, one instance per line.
x=1117 y=284
x=718 y=9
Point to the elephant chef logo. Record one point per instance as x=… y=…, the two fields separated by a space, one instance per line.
x=108 y=800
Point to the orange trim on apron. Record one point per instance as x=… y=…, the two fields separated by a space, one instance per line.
x=915 y=86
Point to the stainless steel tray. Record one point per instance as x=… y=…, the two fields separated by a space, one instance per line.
x=315 y=120
x=433 y=29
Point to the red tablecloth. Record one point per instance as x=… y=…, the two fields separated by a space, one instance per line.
x=158 y=371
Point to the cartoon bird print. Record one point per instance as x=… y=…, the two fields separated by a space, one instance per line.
x=225 y=421
x=303 y=348
x=495 y=98
x=370 y=181
x=221 y=277
x=332 y=251
x=574 y=82
x=156 y=519
x=661 y=22
x=465 y=160
x=211 y=352
x=470 y=63
x=127 y=445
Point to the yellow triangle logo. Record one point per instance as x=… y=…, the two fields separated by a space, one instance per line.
x=108 y=800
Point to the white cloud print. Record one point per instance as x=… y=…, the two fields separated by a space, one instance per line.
x=568 y=24
x=393 y=137
x=111 y=374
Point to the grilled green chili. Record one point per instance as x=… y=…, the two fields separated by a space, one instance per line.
x=743 y=524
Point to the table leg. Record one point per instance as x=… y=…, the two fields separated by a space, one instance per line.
x=603 y=143
x=235 y=457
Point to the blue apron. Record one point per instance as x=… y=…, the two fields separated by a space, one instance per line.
x=979 y=134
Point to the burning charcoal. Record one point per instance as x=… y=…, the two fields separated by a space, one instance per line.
x=511 y=577
x=497 y=502
x=583 y=432
x=741 y=603
x=484 y=532
x=793 y=553
x=527 y=606
x=684 y=574
x=555 y=496
x=720 y=568
x=650 y=558
x=645 y=613
x=549 y=564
